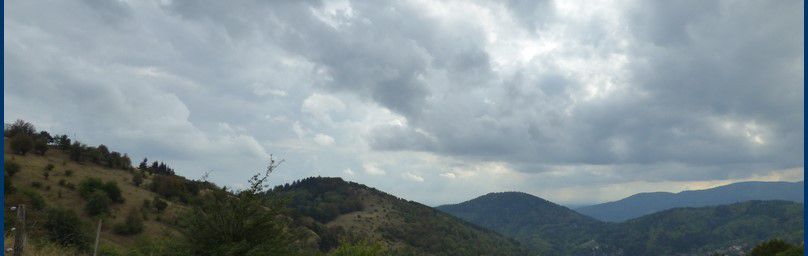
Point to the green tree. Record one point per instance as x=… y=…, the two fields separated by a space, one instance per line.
x=40 y=146
x=11 y=168
x=62 y=142
x=247 y=223
x=21 y=143
x=20 y=127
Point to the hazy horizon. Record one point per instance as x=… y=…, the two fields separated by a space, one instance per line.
x=577 y=102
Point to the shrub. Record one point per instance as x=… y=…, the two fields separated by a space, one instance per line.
x=49 y=167
x=36 y=184
x=159 y=204
x=11 y=168
x=113 y=191
x=34 y=199
x=131 y=226
x=64 y=227
x=62 y=182
x=40 y=146
x=244 y=224
x=776 y=247
x=168 y=186
x=46 y=174
x=137 y=179
x=89 y=185
x=68 y=173
x=97 y=203
x=21 y=144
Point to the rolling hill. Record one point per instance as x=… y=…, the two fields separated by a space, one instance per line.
x=337 y=209
x=724 y=229
x=541 y=225
x=549 y=229
x=647 y=203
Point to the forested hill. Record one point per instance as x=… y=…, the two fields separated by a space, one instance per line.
x=339 y=210
x=549 y=229
x=647 y=203
x=544 y=227
x=723 y=230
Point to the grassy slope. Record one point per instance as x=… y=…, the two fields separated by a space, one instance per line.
x=31 y=171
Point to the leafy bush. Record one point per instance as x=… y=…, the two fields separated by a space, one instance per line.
x=21 y=144
x=34 y=199
x=159 y=204
x=40 y=146
x=49 y=167
x=245 y=224
x=137 y=179
x=64 y=227
x=97 y=203
x=11 y=168
x=776 y=247
x=113 y=191
x=68 y=173
x=89 y=185
x=131 y=226
x=36 y=184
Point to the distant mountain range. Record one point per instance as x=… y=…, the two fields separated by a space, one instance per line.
x=647 y=203
x=545 y=228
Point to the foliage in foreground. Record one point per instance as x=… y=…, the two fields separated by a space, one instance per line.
x=246 y=223
x=777 y=247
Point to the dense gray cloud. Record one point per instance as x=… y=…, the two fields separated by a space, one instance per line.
x=424 y=98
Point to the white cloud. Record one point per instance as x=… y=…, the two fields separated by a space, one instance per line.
x=412 y=177
x=323 y=140
x=448 y=175
x=495 y=95
x=371 y=169
x=322 y=105
x=348 y=172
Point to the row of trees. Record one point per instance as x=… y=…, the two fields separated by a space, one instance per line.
x=23 y=138
x=155 y=168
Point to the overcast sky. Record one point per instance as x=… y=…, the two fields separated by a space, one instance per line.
x=433 y=101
